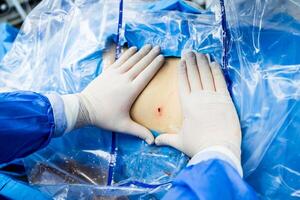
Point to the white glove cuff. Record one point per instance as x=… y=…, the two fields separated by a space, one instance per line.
x=60 y=120
x=218 y=152
x=71 y=104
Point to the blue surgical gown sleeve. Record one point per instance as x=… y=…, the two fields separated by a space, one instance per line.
x=209 y=180
x=26 y=124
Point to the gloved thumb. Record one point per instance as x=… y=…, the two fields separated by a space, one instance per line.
x=140 y=131
x=169 y=139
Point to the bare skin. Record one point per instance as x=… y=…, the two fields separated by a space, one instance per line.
x=158 y=106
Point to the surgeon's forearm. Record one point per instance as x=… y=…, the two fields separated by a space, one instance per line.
x=218 y=152
x=210 y=179
x=26 y=124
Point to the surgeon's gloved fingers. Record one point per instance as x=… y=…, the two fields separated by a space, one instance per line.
x=135 y=58
x=219 y=80
x=143 y=63
x=192 y=70
x=124 y=57
x=145 y=76
x=205 y=72
x=169 y=139
x=135 y=129
x=184 y=86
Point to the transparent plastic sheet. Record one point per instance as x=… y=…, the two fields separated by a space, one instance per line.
x=264 y=70
x=7 y=36
x=60 y=48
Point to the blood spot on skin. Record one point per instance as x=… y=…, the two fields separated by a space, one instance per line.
x=159 y=111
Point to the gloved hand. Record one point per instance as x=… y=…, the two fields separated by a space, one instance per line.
x=210 y=118
x=107 y=100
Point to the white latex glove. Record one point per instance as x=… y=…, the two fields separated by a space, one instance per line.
x=210 y=118
x=107 y=100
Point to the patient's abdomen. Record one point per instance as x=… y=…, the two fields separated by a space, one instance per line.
x=158 y=106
